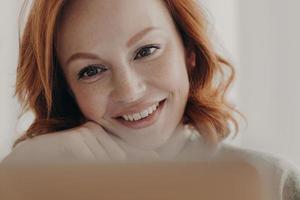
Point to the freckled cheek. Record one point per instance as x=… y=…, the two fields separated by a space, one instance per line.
x=92 y=102
x=170 y=74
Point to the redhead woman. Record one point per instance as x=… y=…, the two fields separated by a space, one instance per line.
x=112 y=80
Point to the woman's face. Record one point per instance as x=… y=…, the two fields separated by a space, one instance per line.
x=121 y=59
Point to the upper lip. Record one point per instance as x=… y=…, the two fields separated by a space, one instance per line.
x=137 y=107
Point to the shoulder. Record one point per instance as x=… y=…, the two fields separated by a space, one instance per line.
x=48 y=148
x=280 y=175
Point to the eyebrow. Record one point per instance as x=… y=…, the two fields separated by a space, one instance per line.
x=139 y=35
x=131 y=41
x=80 y=55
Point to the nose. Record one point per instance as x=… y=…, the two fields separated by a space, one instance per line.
x=129 y=86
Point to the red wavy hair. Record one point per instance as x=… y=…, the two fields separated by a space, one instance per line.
x=41 y=86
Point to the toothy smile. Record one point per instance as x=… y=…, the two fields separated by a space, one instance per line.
x=140 y=115
x=145 y=117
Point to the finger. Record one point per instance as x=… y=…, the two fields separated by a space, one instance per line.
x=134 y=153
x=112 y=148
x=89 y=140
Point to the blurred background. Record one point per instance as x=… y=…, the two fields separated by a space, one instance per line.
x=260 y=37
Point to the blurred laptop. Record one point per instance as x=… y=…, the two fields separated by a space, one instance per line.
x=132 y=181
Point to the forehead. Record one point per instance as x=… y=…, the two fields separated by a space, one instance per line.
x=92 y=21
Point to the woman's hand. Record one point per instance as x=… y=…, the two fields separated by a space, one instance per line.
x=86 y=143
x=99 y=143
x=116 y=148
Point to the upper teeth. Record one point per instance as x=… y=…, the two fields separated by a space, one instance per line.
x=142 y=114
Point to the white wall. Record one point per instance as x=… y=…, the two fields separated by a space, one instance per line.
x=8 y=56
x=269 y=91
x=262 y=39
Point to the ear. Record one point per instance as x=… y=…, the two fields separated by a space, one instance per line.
x=190 y=56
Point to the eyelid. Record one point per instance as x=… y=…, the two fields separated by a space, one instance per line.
x=83 y=70
x=157 y=46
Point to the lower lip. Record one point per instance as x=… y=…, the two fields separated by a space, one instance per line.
x=147 y=121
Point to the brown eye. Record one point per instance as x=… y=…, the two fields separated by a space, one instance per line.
x=146 y=51
x=90 y=71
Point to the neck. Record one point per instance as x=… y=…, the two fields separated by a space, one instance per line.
x=175 y=143
x=167 y=151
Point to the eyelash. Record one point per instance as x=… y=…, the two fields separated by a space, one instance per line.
x=87 y=69
x=147 y=47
